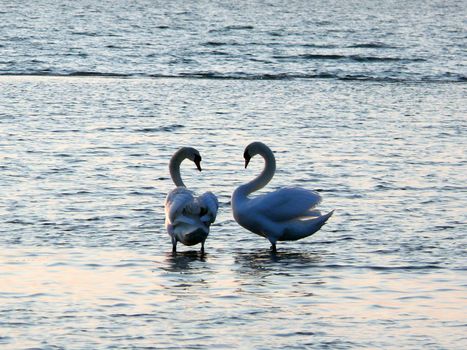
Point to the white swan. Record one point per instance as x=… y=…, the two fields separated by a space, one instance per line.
x=287 y=214
x=187 y=219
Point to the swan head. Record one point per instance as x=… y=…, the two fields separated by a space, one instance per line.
x=192 y=154
x=252 y=150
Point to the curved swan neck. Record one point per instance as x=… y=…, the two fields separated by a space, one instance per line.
x=266 y=175
x=174 y=168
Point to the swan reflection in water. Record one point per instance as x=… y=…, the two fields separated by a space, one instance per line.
x=269 y=261
x=184 y=261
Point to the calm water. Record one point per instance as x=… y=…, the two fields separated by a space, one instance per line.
x=369 y=109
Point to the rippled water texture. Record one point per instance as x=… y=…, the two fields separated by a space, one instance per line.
x=384 y=40
x=362 y=101
x=86 y=259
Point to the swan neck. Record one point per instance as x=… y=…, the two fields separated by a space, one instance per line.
x=266 y=175
x=174 y=169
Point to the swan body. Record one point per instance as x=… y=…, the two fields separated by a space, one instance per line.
x=287 y=214
x=188 y=218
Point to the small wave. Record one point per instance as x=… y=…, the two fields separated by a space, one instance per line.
x=443 y=227
x=74 y=193
x=111 y=128
x=443 y=78
x=269 y=44
x=239 y=27
x=319 y=46
x=310 y=57
x=246 y=76
x=387 y=186
x=116 y=47
x=5 y=339
x=384 y=59
x=219 y=53
x=57 y=264
x=96 y=74
x=277 y=34
x=375 y=45
x=167 y=128
x=85 y=33
x=133 y=315
x=292 y=334
x=49 y=73
x=232 y=27
x=385 y=268
x=410 y=297
x=126 y=305
x=214 y=43
x=356 y=58
x=363 y=78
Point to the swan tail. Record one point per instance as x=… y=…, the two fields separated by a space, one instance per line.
x=209 y=205
x=191 y=236
x=299 y=229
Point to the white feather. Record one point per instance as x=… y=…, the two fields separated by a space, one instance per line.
x=209 y=205
x=287 y=214
x=286 y=203
x=188 y=218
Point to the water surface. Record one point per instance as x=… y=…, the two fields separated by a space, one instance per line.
x=368 y=109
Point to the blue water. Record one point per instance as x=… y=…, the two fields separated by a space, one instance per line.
x=349 y=40
x=362 y=101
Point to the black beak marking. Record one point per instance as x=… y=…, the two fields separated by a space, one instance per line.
x=197 y=161
x=247 y=157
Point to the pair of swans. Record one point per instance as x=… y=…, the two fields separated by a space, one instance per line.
x=287 y=214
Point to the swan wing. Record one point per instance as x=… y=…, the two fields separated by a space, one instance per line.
x=209 y=205
x=180 y=205
x=286 y=203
